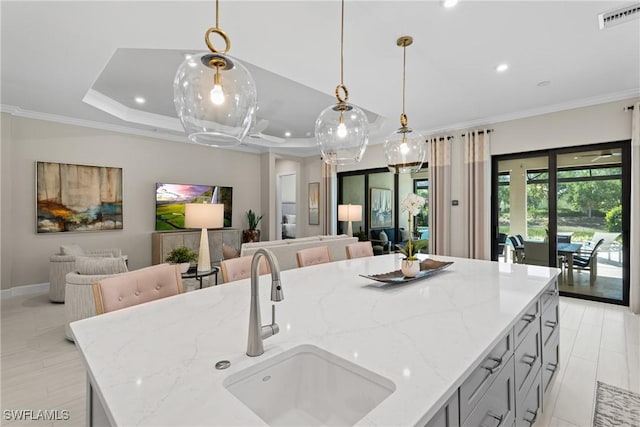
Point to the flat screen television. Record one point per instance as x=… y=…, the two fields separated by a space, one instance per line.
x=171 y=198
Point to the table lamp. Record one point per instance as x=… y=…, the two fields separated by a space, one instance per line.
x=350 y=213
x=203 y=215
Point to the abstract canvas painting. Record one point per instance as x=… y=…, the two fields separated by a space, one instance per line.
x=314 y=203
x=381 y=208
x=78 y=197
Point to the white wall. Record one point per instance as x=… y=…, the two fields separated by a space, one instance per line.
x=145 y=161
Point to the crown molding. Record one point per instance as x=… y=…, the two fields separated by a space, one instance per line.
x=548 y=109
x=158 y=134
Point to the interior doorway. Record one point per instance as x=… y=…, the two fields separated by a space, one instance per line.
x=286 y=202
x=567 y=208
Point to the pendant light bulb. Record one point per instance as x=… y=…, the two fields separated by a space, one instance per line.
x=217 y=95
x=342 y=128
x=404 y=148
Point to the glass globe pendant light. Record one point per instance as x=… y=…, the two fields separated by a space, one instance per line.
x=215 y=95
x=342 y=130
x=404 y=149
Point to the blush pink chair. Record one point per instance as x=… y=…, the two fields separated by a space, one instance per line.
x=313 y=256
x=137 y=287
x=240 y=268
x=359 y=250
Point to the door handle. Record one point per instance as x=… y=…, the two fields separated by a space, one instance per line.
x=495 y=368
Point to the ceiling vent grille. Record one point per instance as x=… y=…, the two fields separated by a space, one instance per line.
x=618 y=16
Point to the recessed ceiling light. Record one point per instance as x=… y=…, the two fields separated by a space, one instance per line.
x=287 y=134
x=544 y=83
x=449 y=3
x=502 y=68
x=140 y=100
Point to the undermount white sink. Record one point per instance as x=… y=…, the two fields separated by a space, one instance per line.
x=309 y=386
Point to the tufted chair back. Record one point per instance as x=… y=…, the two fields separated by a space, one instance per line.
x=137 y=287
x=359 y=250
x=313 y=256
x=240 y=268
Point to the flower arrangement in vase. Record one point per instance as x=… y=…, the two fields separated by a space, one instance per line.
x=410 y=263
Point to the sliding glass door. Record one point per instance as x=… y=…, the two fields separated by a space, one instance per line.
x=567 y=208
x=590 y=201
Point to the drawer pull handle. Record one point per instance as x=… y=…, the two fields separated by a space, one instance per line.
x=495 y=368
x=550 y=323
x=529 y=318
x=535 y=416
x=533 y=359
x=499 y=418
x=552 y=292
x=552 y=367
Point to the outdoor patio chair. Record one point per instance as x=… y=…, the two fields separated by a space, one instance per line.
x=518 y=250
x=502 y=241
x=609 y=245
x=589 y=263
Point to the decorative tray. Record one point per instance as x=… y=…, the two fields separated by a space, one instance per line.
x=427 y=268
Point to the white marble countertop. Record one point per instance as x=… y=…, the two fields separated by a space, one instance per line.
x=154 y=364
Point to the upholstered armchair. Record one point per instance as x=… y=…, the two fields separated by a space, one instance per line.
x=80 y=302
x=64 y=262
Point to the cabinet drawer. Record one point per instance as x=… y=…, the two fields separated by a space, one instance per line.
x=447 y=416
x=527 y=411
x=527 y=363
x=550 y=321
x=550 y=360
x=497 y=406
x=527 y=321
x=549 y=295
x=474 y=387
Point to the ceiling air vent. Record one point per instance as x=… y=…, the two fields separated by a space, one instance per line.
x=618 y=16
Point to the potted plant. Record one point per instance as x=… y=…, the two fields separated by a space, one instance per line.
x=410 y=263
x=182 y=255
x=252 y=234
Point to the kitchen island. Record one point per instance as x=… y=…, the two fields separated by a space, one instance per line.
x=153 y=364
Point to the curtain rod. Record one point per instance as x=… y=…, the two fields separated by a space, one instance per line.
x=628 y=108
x=479 y=132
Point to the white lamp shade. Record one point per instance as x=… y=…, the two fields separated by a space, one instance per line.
x=349 y=212
x=223 y=122
x=342 y=135
x=203 y=215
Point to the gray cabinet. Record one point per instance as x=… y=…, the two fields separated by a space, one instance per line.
x=497 y=405
x=448 y=415
x=508 y=386
x=475 y=386
x=528 y=409
x=527 y=361
x=550 y=327
x=227 y=239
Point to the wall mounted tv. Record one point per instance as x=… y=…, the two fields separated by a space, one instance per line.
x=171 y=198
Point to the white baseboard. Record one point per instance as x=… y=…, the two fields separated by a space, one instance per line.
x=24 y=290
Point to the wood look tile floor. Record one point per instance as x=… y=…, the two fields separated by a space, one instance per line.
x=42 y=370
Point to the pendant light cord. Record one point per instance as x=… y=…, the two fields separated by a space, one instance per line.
x=342 y=46
x=217 y=15
x=404 y=71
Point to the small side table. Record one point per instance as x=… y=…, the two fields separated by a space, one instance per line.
x=193 y=273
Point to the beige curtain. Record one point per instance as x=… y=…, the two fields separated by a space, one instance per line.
x=634 y=240
x=477 y=191
x=440 y=196
x=329 y=191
